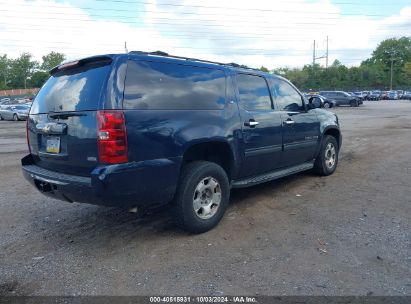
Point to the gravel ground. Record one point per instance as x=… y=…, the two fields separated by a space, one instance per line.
x=346 y=234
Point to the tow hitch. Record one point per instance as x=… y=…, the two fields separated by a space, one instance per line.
x=43 y=186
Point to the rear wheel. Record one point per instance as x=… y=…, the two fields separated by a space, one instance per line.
x=327 y=160
x=327 y=105
x=202 y=196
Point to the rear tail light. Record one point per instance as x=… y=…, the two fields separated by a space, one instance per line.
x=112 y=137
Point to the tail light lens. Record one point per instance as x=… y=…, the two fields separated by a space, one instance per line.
x=112 y=137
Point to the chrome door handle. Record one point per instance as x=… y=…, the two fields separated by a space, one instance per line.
x=251 y=123
x=289 y=122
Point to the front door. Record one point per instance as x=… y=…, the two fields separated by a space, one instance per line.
x=301 y=128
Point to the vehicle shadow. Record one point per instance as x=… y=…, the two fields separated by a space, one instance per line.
x=94 y=227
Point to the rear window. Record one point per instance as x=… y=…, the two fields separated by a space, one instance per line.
x=169 y=86
x=76 y=89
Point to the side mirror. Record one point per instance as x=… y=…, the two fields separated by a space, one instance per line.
x=316 y=102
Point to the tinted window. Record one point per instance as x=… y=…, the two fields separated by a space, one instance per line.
x=288 y=99
x=77 y=89
x=157 y=85
x=254 y=94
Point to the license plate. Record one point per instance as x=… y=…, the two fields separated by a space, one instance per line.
x=53 y=145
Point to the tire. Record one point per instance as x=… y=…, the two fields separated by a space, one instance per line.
x=327 y=105
x=1 y=117
x=325 y=163
x=15 y=117
x=204 y=182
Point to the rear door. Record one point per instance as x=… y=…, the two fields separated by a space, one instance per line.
x=261 y=126
x=62 y=123
x=301 y=128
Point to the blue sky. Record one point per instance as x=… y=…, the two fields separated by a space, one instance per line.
x=371 y=7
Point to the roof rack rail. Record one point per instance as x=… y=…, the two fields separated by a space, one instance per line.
x=164 y=54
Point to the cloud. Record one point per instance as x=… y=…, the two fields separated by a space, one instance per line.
x=259 y=32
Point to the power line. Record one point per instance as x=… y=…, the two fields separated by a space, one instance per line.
x=120 y=48
x=162 y=18
x=194 y=35
x=274 y=27
x=225 y=14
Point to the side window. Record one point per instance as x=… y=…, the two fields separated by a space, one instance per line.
x=169 y=86
x=254 y=93
x=288 y=98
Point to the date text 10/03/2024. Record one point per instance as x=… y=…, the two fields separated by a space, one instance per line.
x=205 y=299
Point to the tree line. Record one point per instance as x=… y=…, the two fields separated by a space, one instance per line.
x=373 y=73
x=24 y=72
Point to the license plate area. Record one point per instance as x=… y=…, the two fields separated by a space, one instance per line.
x=53 y=144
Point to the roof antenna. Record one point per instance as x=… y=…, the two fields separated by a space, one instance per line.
x=125 y=46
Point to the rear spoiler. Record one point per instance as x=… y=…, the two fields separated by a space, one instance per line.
x=81 y=62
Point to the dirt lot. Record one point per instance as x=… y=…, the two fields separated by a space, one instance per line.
x=347 y=234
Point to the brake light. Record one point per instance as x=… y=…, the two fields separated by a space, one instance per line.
x=27 y=134
x=68 y=65
x=112 y=137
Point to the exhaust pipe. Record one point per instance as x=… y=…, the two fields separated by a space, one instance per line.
x=133 y=210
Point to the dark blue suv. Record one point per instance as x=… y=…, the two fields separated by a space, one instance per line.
x=146 y=129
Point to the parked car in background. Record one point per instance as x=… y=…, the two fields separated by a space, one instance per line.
x=359 y=99
x=342 y=98
x=384 y=95
x=325 y=102
x=7 y=102
x=375 y=95
x=400 y=94
x=392 y=95
x=407 y=95
x=361 y=95
x=366 y=94
x=15 y=112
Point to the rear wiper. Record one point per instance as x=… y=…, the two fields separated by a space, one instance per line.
x=64 y=115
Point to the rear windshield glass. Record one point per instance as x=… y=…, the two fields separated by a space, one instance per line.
x=77 y=89
x=168 y=86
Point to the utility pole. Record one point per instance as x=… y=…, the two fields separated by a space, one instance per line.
x=326 y=55
x=320 y=57
x=392 y=64
x=313 y=54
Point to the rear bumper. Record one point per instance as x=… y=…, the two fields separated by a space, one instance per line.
x=143 y=184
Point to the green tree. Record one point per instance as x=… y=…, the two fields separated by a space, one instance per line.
x=4 y=71
x=38 y=79
x=396 y=53
x=51 y=60
x=264 y=69
x=21 y=69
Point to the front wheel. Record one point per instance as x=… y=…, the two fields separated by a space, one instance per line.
x=327 y=159
x=327 y=105
x=15 y=117
x=202 y=196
